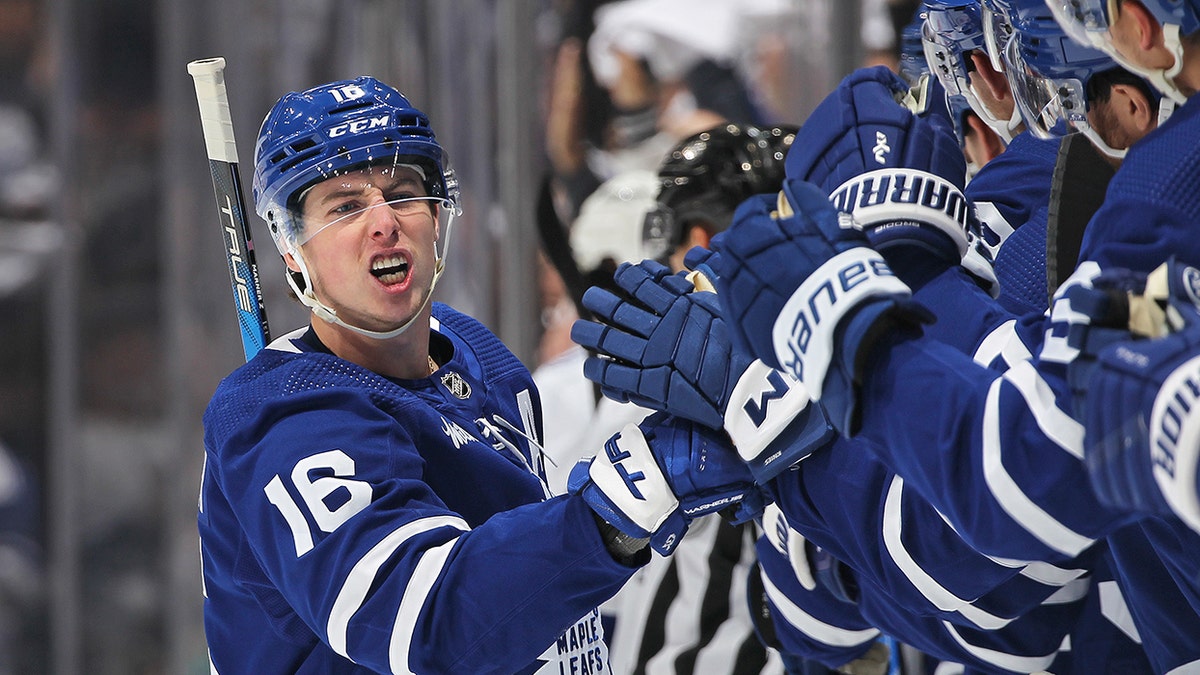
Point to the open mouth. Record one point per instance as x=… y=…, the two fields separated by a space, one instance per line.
x=391 y=269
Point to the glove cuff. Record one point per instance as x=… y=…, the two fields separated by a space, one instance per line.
x=803 y=334
x=762 y=404
x=632 y=480
x=883 y=196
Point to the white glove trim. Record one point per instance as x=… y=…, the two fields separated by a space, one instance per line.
x=776 y=408
x=803 y=331
x=1175 y=440
x=628 y=454
x=888 y=195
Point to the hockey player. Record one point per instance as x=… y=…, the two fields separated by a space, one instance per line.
x=1023 y=471
x=369 y=478
x=838 y=494
x=1012 y=186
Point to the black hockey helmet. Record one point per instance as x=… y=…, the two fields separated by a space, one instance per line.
x=707 y=175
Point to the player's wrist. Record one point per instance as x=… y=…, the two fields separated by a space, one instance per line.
x=624 y=548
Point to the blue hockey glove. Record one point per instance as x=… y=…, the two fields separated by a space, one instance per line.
x=652 y=479
x=1139 y=410
x=803 y=292
x=666 y=348
x=898 y=173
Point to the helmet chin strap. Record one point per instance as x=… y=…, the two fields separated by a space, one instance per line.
x=327 y=313
x=1102 y=145
x=1004 y=128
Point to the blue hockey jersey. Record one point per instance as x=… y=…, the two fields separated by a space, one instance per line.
x=354 y=523
x=1000 y=455
x=1010 y=188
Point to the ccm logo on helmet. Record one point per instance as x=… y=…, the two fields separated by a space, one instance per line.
x=360 y=125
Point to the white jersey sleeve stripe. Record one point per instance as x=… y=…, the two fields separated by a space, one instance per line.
x=362 y=576
x=427 y=571
x=1002 y=341
x=812 y=626
x=1010 y=497
x=1072 y=592
x=1186 y=669
x=1041 y=572
x=1051 y=575
x=1057 y=425
x=1019 y=664
x=941 y=598
x=1114 y=608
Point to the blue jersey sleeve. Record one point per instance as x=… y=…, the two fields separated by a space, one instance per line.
x=347 y=520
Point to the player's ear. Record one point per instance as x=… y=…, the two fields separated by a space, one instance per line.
x=291 y=263
x=1149 y=30
x=1133 y=109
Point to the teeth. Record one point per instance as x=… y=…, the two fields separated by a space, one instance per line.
x=391 y=261
x=390 y=270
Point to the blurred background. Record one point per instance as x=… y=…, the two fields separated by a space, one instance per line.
x=117 y=314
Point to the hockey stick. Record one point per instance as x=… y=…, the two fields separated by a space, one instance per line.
x=209 y=77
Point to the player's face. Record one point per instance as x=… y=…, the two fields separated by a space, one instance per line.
x=373 y=254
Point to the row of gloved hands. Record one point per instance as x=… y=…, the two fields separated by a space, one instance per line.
x=1136 y=384
x=808 y=282
x=802 y=293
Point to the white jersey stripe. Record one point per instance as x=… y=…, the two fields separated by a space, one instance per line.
x=426 y=573
x=1072 y=592
x=1057 y=425
x=1192 y=668
x=934 y=592
x=1002 y=342
x=1019 y=664
x=812 y=626
x=1016 y=503
x=1051 y=575
x=362 y=576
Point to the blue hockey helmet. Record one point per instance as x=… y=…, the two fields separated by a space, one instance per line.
x=997 y=29
x=1087 y=22
x=912 y=49
x=370 y=135
x=1049 y=74
x=332 y=130
x=952 y=30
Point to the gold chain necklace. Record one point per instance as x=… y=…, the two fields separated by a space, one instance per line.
x=433 y=366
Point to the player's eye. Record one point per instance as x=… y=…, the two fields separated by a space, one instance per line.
x=344 y=207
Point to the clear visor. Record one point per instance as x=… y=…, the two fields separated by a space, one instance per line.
x=1051 y=108
x=659 y=233
x=394 y=189
x=996 y=34
x=1084 y=21
x=945 y=62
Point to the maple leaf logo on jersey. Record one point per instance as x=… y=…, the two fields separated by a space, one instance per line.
x=456 y=385
x=456 y=433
